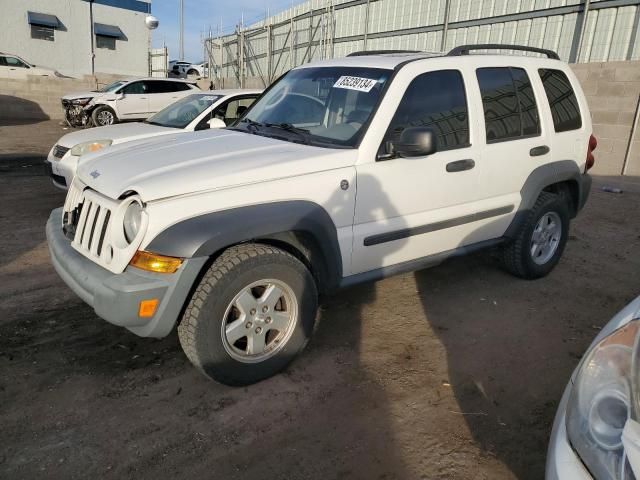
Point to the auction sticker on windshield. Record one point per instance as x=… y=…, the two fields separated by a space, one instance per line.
x=355 y=83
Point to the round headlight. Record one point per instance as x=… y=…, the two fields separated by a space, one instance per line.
x=132 y=221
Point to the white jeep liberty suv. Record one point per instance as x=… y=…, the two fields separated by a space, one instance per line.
x=344 y=171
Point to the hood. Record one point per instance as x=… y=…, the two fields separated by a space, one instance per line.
x=210 y=159
x=73 y=96
x=120 y=132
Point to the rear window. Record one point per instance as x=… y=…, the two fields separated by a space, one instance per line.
x=562 y=100
x=510 y=110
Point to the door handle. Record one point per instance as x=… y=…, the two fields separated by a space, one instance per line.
x=460 y=165
x=537 y=151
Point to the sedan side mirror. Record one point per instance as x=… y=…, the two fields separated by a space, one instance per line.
x=416 y=142
x=216 y=123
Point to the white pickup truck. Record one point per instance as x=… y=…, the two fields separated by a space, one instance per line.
x=343 y=171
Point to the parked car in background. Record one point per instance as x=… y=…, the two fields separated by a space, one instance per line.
x=133 y=99
x=182 y=69
x=596 y=433
x=12 y=66
x=198 y=111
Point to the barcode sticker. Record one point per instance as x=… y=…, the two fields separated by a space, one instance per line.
x=355 y=83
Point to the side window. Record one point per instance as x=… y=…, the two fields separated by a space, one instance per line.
x=178 y=86
x=510 y=110
x=3 y=61
x=158 y=86
x=135 y=88
x=562 y=100
x=15 y=62
x=436 y=100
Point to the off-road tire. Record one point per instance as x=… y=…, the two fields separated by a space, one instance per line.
x=200 y=330
x=95 y=116
x=516 y=257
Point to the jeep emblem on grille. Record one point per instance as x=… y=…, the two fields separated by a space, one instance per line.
x=95 y=174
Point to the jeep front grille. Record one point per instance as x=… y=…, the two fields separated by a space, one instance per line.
x=59 y=151
x=93 y=223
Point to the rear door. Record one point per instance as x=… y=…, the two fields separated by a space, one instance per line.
x=133 y=101
x=515 y=142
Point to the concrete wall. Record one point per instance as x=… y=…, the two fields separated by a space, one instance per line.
x=612 y=90
x=70 y=52
x=38 y=98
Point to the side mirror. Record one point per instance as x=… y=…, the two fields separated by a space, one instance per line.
x=416 y=142
x=216 y=123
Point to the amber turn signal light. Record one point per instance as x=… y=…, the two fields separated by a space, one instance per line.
x=153 y=262
x=147 y=308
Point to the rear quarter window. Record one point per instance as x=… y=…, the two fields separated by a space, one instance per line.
x=562 y=100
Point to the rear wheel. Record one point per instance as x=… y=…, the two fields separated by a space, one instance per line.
x=103 y=116
x=539 y=243
x=251 y=314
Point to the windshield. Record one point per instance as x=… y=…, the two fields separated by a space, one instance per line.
x=184 y=111
x=112 y=87
x=323 y=106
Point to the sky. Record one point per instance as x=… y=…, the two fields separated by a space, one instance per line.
x=200 y=14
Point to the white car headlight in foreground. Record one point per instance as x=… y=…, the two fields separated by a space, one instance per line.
x=89 y=147
x=604 y=401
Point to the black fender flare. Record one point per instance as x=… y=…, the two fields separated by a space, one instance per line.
x=303 y=225
x=543 y=177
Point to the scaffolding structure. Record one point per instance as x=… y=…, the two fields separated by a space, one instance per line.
x=579 y=30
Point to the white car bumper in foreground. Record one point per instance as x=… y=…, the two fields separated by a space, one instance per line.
x=562 y=461
x=62 y=170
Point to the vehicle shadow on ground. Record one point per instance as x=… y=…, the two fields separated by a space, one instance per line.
x=20 y=111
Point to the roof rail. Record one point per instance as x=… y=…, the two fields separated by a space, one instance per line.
x=380 y=52
x=465 y=49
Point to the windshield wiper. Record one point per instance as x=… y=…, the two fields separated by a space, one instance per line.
x=252 y=123
x=302 y=132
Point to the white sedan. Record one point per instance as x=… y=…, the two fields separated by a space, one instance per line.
x=198 y=111
x=596 y=433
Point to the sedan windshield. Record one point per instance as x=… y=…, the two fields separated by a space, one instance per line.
x=323 y=106
x=111 y=87
x=184 y=111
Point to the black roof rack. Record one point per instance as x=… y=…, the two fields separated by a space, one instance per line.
x=465 y=49
x=380 y=52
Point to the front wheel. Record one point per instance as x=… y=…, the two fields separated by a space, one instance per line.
x=251 y=314
x=103 y=116
x=541 y=239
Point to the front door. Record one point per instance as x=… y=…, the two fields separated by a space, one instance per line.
x=133 y=101
x=409 y=208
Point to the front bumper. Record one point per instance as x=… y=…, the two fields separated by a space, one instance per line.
x=116 y=297
x=562 y=461
x=61 y=170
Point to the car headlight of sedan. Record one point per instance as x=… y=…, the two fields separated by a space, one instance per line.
x=132 y=221
x=90 y=147
x=603 y=399
x=81 y=101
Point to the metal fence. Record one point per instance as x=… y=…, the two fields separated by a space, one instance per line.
x=579 y=30
x=158 y=62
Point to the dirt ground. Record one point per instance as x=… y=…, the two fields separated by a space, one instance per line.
x=453 y=372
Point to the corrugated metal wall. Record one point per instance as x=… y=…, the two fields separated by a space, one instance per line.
x=609 y=31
